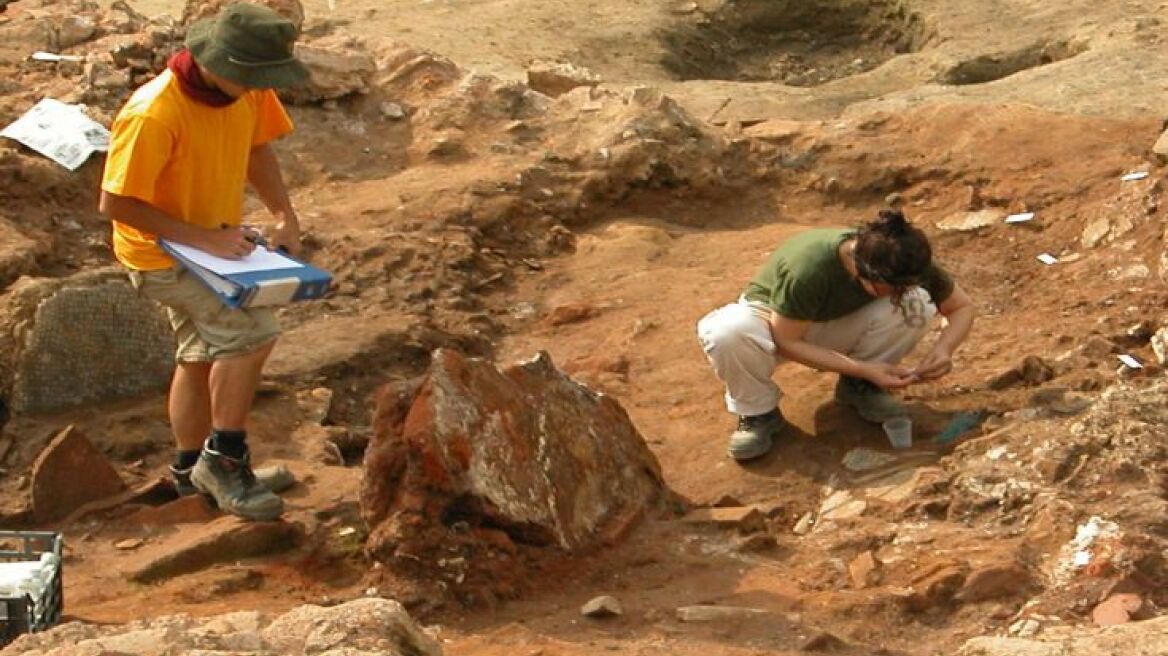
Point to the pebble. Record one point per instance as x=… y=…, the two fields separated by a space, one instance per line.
x=602 y=607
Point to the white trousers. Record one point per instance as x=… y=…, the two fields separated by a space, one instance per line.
x=737 y=340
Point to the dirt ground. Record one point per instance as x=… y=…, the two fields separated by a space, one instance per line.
x=843 y=124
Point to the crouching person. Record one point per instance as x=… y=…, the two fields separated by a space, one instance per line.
x=853 y=302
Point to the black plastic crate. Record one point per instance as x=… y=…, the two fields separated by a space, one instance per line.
x=24 y=614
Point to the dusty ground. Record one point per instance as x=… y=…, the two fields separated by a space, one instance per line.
x=931 y=111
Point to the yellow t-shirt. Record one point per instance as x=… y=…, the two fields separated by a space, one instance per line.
x=185 y=158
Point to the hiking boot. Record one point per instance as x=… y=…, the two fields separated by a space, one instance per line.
x=182 y=481
x=755 y=436
x=276 y=478
x=870 y=401
x=233 y=486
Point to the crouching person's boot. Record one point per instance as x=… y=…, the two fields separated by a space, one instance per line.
x=871 y=402
x=233 y=485
x=755 y=436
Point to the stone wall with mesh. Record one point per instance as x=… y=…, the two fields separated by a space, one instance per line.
x=80 y=340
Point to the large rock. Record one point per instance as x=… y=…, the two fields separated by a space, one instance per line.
x=87 y=338
x=364 y=627
x=525 y=448
x=69 y=473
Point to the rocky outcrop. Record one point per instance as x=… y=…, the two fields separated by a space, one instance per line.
x=196 y=10
x=1148 y=638
x=363 y=627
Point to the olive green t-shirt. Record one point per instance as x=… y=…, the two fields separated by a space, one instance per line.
x=805 y=280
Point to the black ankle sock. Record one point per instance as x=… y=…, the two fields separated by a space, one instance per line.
x=231 y=443
x=185 y=459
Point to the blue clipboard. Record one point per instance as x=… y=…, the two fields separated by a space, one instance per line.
x=277 y=285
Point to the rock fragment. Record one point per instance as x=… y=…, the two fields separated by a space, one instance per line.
x=70 y=473
x=602 y=607
x=558 y=78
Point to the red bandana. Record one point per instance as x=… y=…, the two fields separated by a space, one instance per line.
x=193 y=84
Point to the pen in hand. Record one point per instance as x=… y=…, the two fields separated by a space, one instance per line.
x=254 y=236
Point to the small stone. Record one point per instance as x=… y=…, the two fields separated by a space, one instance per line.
x=1160 y=345
x=715 y=613
x=1118 y=609
x=863 y=570
x=128 y=544
x=602 y=607
x=75 y=30
x=558 y=78
x=571 y=313
x=971 y=221
x=824 y=641
x=1160 y=149
x=392 y=110
x=1035 y=370
x=803 y=526
x=747 y=519
x=1098 y=347
x=446 y=146
x=994 y=582
x=726 y=501
x=1025 y=628
x=756 y=543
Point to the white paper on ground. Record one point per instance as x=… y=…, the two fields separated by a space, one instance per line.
x=261 y=259
x=1130 y=361
x=1047 y=258
x=41 y=55
x=1138 y=175
x=1020 y=218
x=61 y=132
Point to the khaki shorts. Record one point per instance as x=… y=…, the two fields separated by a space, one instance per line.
x=204 y=327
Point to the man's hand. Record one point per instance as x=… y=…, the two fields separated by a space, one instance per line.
x=936 y=364
x=286 y=236
x=231 y=242
x=888 y=376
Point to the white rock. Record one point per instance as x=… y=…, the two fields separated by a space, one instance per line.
x=970 y=221
x=714 y=613
x=603 y=606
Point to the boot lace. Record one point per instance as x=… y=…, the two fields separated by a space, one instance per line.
x=749 y=423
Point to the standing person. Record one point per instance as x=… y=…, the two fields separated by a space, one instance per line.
x=183 y=147
x=853 y=302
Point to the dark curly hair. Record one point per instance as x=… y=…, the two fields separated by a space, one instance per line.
x=892 y=251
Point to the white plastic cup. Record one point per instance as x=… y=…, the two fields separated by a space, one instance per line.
x=899 y=432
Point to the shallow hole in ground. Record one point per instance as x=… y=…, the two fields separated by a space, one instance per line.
x=987 y=68
x=799 y=44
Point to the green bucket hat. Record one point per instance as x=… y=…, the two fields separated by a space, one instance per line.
x=249 y=45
